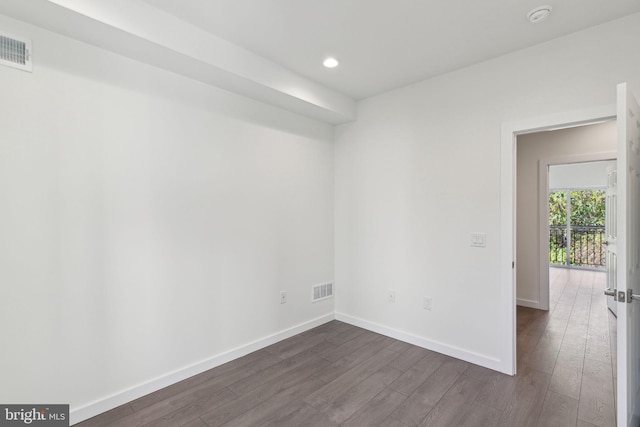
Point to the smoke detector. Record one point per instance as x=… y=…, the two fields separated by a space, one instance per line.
x=539 y=14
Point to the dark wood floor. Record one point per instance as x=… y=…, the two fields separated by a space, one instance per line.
x=338 y=374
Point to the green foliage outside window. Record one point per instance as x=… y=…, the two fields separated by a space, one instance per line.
x=587 y=210
x=558 y=208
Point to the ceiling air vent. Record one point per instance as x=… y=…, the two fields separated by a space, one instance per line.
x=15 y=52
x=321 y=291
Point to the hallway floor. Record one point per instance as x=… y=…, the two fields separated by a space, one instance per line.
x=569 y=351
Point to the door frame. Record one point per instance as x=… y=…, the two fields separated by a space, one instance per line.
x=508 y=162
x=543 y=215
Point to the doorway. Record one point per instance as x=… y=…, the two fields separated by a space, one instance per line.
x=583 y=150
x=563 y=326
x=509 y=132
x=626 y=110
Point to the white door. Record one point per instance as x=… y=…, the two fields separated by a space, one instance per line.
x=611 y=234
x=628 y=258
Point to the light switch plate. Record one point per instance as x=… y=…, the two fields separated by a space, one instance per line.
x=479 y=240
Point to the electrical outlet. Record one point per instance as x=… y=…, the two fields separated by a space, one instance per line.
x=426 y=303
x=283 y=297
x=391 y=295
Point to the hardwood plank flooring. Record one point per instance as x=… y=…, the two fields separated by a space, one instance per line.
x=341 y=375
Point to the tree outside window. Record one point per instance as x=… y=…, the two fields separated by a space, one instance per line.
x=576 y=228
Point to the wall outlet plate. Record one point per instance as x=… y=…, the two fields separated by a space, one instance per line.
x=391 y=295
x=283 y=297
x=427 y=303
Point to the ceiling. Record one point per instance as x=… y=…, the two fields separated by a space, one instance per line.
x=272 y=50
x=385 y=44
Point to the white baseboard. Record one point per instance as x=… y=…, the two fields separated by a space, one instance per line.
x=113 y=401
x=458 y=353
x=528 y=303
x=103 y=405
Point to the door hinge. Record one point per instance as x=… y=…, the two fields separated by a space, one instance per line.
x=513 y=264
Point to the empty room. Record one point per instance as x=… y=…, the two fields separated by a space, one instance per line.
x=318 y=213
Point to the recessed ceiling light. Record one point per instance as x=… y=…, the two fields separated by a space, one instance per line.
x=330 y=63
x=539 y=14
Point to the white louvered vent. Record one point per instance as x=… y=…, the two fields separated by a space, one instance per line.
x=321 y=291
x=15 y=52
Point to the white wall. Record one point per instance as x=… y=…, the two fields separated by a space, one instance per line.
x=147 y=223
x=547 y=147
x=420 y=170
x=580 y=175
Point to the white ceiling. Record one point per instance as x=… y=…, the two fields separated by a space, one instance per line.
x=384 y=44
x=272 y=50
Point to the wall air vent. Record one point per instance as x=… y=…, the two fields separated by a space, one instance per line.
x=15 y=52
x=321 y=291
